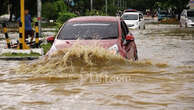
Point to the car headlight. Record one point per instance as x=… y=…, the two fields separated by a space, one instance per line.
x=189 y=21
x=114 y=49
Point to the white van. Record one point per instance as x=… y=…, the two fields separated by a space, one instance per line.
x=187 y=18
x=134 y=20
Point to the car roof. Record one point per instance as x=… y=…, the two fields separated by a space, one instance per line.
x=132 y=13
x=130 y=10
x=94 y=19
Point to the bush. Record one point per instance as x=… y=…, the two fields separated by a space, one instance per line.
x=51 y=10
x=46 y=47
x=63 y=17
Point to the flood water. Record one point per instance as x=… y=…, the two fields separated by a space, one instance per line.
x=162 y=79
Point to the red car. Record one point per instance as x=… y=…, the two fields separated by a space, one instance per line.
x=111 y=33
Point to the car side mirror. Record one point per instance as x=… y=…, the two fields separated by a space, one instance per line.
x=129 y=37
x=50 y=39
x=140 y=19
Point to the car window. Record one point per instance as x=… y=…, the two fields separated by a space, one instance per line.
x=164 y=12
x=190 y=13
x=140 y=16
x=124 y=28
x=130 y=17
x=89 y=30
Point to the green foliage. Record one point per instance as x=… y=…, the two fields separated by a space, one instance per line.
x=60 y=6
x=112 y=10
x=63 y=17
x=94 y=13
x=46 y=47
x=51 y=10
x=21 y=54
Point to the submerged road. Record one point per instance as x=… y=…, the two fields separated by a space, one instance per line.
x=163 y=78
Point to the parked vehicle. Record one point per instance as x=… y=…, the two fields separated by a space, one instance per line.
x=110 y=33
x=187 y=18
x=130 y=10
x=163 y=14
x=134 y=20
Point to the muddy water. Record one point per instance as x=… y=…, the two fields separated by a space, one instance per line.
x=162 y=79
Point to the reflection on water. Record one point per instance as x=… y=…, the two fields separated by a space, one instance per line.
x=93 y=79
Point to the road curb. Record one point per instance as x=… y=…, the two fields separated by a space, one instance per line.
x=19 y=57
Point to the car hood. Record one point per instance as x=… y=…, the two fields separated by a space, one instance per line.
x=192 y=19
x=131 y=21
x=61 y=44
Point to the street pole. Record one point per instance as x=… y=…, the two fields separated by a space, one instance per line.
x=23 y=23
x=22 y=29
x=39 y=9
x=106 y=7
x=91 y=5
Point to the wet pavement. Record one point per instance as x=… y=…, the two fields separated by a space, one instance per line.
x=14 y=36
x=162 y=79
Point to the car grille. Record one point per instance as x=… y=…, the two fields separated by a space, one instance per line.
x=130 y=25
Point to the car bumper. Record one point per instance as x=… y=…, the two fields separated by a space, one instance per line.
x=133 y=27
x=190 y=25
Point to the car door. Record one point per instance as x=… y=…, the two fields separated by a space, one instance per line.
x=128 y=46
x=141 y=21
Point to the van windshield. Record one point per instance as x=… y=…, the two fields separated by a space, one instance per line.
x=130 y=17
x=190 y=13
x=163 y=12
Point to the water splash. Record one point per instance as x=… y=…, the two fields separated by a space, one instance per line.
x=83 y=58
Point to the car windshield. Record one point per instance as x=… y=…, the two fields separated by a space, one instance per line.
x=130 y=17
x=163 y=12
x=89 y=30
x=190 y=13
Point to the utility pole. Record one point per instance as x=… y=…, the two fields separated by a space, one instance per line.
x=39 y=9
x=91 y=5
x=106 y=2
x=22 y=44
